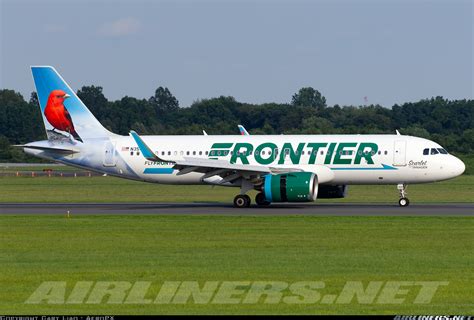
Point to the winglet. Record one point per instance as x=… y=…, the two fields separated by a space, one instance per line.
x=242 y=130
x=144 y=149
x=398 y=133
x=204 y=132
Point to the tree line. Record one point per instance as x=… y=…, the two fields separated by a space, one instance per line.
x=448 y=122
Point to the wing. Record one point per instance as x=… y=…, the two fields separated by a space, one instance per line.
x=68 y=116
x=228 y=172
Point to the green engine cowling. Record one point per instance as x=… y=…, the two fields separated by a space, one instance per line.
x=291 y=187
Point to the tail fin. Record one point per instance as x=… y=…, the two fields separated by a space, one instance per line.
x=64 y=115
x=242 y=130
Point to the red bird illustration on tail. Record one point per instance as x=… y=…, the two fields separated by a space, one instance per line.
x=57 y=114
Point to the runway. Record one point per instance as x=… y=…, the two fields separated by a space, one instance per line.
x=317 y=209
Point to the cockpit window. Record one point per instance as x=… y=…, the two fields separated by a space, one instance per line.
x=432 y=151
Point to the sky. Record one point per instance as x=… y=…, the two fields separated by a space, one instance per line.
x=353 y=52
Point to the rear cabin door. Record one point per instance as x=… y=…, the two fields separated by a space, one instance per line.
x=110 y=158
x=399 y=153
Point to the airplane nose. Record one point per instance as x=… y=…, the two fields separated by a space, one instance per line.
x=457 y=166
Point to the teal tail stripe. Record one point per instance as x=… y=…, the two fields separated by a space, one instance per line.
x=158 y=171
x=384 y=167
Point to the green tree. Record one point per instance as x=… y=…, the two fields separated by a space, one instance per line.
x=94 y=99
x=309 y=97
x=163 y=102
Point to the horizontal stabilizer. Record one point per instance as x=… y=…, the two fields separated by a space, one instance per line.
x=50 y=149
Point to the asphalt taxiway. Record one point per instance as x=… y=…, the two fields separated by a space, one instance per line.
x=199 y=208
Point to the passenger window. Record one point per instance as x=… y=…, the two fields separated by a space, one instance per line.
x=434 y=151
x=194 y=153
x=187 y=153
x=207 y=152
x=426 y=152
x=386 y=152
x=200 y=153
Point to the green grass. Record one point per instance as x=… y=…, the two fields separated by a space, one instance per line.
x=109 y=189
x=132 y=248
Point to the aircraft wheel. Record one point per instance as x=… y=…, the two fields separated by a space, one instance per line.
x=403 y=202
x=242 y=201
x=260 y=200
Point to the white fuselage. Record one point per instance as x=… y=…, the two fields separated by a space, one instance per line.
x=336 y=159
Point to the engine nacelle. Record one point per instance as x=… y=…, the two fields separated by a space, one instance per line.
x=291 y=187
x=332 y=192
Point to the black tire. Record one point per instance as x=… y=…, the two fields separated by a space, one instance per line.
x=403 y=202
x=249 y=201
x=241 y=201
x=260 y=200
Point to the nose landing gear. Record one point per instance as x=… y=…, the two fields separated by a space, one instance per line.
x=403 y=202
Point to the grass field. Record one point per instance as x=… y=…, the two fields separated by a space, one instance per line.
x=37 y=248
x=131 y=248
x=109 y=189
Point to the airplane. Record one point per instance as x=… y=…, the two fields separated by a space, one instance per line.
x=242 y=130
x=282 y=168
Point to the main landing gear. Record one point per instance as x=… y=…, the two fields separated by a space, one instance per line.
x=260 y=199
x=403 y=202
x=242 y=201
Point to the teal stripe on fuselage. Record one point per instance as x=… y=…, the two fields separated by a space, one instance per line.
x=384 y=167
x=158 y=171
